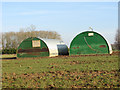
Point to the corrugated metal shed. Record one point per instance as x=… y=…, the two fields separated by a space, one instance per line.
x=56 y=47
x=36 y=47
x=89 y=42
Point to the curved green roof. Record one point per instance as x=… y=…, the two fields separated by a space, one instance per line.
x=89 y=42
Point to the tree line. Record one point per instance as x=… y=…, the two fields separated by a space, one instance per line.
x=11 y=40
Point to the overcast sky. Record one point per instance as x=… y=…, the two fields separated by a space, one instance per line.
x=66 y=18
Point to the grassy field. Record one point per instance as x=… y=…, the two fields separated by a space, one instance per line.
x=61 y=72
x=8 y=56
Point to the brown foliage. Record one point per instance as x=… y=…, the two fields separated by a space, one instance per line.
x=117 y=40
x=13 y=39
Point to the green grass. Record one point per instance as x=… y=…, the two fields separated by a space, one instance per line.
x=8 y=55
x=61 y=72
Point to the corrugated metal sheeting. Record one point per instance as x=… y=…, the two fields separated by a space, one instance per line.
x=32 y=47
x=89 y=42
x=35 y=47
x=56 y=47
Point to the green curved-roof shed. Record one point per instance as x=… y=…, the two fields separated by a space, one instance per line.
x=35 y=47
x=89 y=42
x=32 y=47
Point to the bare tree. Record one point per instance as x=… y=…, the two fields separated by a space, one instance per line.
x=117 y=40
x=13 y=39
